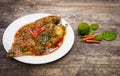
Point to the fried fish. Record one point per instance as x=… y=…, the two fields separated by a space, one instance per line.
x=37 y=37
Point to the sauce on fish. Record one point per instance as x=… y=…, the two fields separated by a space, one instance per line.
x=38 y=38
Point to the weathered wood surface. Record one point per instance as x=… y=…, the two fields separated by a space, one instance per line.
x=83 y=59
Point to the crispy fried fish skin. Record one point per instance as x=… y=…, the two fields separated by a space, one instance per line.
x=50 y=32
x=49 y=19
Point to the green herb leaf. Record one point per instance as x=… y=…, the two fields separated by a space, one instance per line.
x=109 y=36
x=98 y=37
x=94 y=26
x=83 y=28
x=91 y=32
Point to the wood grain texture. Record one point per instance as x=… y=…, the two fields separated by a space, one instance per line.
x=84 y=59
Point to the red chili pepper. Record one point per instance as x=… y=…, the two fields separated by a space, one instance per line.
x=37 y=32
x=43 y=28
x=38 y=29
x=30 y=31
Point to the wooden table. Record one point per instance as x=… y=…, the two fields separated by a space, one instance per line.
x=84 y=59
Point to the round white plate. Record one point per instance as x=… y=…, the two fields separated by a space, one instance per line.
x=8 y=39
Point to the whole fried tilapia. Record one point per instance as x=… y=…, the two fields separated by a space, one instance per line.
x=37 y=37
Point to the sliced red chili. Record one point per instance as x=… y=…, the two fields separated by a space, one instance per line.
x=42 y=28
x=37 y=32
x=38 y=29
x=30 y=31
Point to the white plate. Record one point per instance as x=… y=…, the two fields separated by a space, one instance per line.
x=8 y=39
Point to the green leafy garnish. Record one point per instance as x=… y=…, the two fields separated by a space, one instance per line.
x=94 y=26
x=88 y=33
x=109 y=36
x=83 y=28
x=91 y=32
x=98 y=37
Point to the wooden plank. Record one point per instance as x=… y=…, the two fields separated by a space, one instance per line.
x=63 y=4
